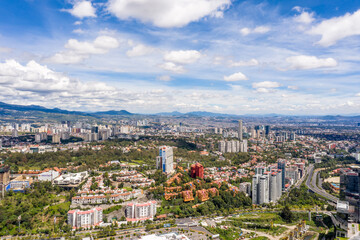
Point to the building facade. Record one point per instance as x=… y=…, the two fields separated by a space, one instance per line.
x=197 y=170
x=140 y=211
x=85 y=219
x=165 y=160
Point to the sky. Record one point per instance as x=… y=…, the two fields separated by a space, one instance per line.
x=150 y=56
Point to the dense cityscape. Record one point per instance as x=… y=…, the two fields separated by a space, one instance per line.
x=176 y=177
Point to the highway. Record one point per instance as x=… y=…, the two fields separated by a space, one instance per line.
x=311 y=184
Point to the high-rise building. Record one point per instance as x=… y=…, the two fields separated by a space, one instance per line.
x=197 y=170
x=254 y=190
x=15 y=133
x=165 y=160
x=245 y=187
x=140 y=211
x=267 y=130
x=273 y=187
x=95 y=129
x=263 y=191
x=222 y=146
x=240 y=130
x=55 y=138
x=85 y=219
x=282 y=166
x=233 y=146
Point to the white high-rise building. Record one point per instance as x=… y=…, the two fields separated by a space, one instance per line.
x=222 y=146
x=273 y=187
x=240 y=130
x=140 y=211
x=254 y=190
x=85 y=219
x=243 y=146
x=165 y=160
x=266 y=186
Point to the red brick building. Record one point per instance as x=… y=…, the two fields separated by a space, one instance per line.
x=197 y=170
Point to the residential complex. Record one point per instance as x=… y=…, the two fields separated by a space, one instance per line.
x=85 y=219
x=140 y=211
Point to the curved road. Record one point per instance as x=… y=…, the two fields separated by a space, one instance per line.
x=311 y=184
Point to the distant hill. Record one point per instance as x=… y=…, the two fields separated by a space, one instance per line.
x=25 y=108
x=35 y=111
x=14 y=111
x=113 y=113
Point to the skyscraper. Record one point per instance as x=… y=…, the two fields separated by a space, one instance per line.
x=267 y=130
x=165 y=160
x=273 y=187
x=282 y=166
x=240 y=130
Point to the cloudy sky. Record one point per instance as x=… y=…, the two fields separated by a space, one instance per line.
x=148 y=56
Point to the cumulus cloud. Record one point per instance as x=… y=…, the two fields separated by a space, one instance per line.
x=82 y=9
x=235 y=77
x=78 y=51
x=182 y=56
x=165 y=13
x=169 y=66
x=303 y=62
x=266 y=84
x=305 y=18
x=37 y=78
x=251 y=62
x=260 y=30
x=337 y=28
x=139 y=50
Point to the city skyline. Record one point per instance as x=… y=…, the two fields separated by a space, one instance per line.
x=234 y=57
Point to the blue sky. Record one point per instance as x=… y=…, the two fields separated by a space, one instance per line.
x=148 y=56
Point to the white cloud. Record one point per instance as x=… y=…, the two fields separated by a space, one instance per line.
x=297 y=8
x=37 y=78
x=78 y=23
x=139 y=50
x=67 y=57
x=266 y=84
x=293 y=87
x=182 y=56
x=245 y=31
x=79 y=51
x=165 y=78
x=235 y=77
x=337 y=28
x=78 y=31
x=260 y=30
x=303 y=62
x=358 y=95
x=264 y=90
x=82 y=9
x=251 y=62
x=169 y=66
x=305 y=17
x=165 y=13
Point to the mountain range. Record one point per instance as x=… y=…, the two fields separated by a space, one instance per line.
x=36 y=111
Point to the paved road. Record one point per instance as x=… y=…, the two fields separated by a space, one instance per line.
x=311 y=184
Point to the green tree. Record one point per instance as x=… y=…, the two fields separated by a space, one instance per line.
x=286 y=214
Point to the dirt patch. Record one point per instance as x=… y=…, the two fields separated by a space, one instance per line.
x=333 y=180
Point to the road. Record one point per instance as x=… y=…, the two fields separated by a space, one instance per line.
x=311 y=184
